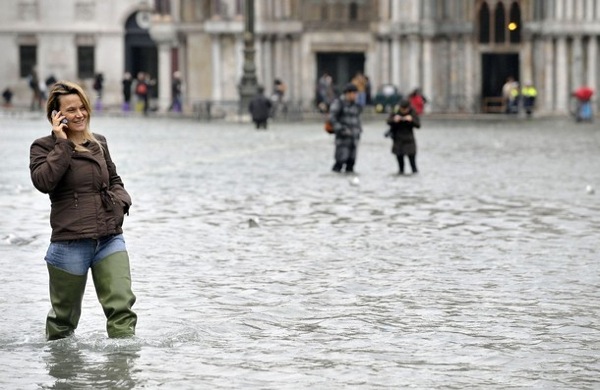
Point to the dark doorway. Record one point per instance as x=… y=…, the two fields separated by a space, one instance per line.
x=141 y=54
x=342 y=66
x=495 y=69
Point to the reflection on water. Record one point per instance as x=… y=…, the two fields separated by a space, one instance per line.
x=75 y=365
x=481 y=272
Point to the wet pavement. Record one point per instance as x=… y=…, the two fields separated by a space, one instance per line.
x=256 y=267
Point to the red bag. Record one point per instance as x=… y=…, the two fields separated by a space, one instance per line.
x=141 y=89
x=329 y=126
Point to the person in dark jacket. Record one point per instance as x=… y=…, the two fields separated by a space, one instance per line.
x=176 y=86
x=402 y=121
x=99 y=88
x=344 y=115
x=88 y=204
x=260 y=108
x=126 y=84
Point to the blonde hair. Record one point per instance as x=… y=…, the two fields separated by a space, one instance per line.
x=62 y=88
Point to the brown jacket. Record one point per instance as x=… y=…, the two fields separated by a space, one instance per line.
x=87 y=195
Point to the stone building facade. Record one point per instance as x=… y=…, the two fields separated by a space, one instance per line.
x=459 y=52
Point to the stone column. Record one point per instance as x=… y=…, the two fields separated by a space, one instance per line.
x=163 y=33
x=268 y=62
x=469 y=76
x=259 y=59
x=549 y=89
x=455 y=69
x=284 y=66
x=296 y=71
x=559 y=9
x=414 y=63
x=526 y=62
x=562 y=84
x=427 y=71
x=384 y=10
x=217 y=91
x=396 y=11
x=404 y=64
x=568 y=9
x=579 y=10
x=577 y=76
x=248 y=84
x=414 y=12
x=259 y=13
x=427 y=10
x=279 y=58
x=592 y=62
x=395 y=63
x=164 y=76
x=589 y=9
x=384 y=63
x=239 y=57
x=277 y=10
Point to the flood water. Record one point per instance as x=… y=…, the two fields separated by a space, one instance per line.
x=480 y=272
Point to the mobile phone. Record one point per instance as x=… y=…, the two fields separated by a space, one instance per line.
x=65 y=121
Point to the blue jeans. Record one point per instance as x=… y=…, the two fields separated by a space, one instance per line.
x=78 y=256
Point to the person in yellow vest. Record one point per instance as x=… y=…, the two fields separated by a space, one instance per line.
x=529 y=94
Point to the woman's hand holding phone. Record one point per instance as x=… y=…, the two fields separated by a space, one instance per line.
x=59 y=122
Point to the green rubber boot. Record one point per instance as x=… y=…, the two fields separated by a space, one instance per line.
x=66 y=295
x=112 y=280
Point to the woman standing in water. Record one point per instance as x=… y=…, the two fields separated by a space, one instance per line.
x=88 y=203
x=402 y=122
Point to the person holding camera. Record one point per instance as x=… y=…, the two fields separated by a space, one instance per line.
x=402 y=121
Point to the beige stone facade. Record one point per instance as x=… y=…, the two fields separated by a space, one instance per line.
x=459 y=52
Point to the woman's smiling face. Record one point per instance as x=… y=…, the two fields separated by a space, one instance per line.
x=74 y=110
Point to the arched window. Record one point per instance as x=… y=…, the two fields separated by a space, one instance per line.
x=499 y=24
x=484 y=23
x=514 y=26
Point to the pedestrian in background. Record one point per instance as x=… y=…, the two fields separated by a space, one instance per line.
x=529 y=94
x=279 y=105
x=402 y=121
x=583 y=98
x=88 y=204
x=417 y=101
x=360 y=81
x=344 y=115
x=7 y=95
x=126 y=85
x=176 y=92
x=36 y=94
x=510 y=95
x=141 y=92
x=325 y=92
x=98 y=87
x=260 y=108
x=50 y=81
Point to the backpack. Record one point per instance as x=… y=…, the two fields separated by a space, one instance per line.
x=329 y=126
x=141 y=89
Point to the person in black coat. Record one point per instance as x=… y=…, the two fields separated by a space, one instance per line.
x=260 y=108
x=402 y=121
